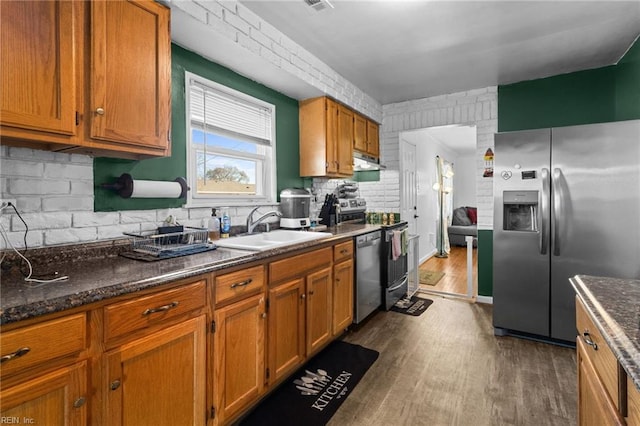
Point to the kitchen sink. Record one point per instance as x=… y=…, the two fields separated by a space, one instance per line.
x=270 y=240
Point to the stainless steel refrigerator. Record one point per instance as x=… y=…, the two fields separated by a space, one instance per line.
x=567 y=202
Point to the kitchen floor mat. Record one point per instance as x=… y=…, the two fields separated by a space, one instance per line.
x=414 y=306
x=313 y=394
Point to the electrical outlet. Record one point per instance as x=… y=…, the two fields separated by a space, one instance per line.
x=4 y=202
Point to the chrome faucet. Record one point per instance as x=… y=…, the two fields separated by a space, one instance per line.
x=251 y=224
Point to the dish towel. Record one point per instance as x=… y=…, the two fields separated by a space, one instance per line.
x=404 y=242
x=396 y=244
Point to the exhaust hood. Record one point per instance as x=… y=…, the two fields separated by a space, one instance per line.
x=365 y=163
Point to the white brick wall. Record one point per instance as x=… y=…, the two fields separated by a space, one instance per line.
x=475 y=107
x=258 y=38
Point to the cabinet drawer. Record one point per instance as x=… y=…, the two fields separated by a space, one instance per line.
x=137 y=314
x=598 y=351
x=297 y=266
x=29 y=346
x=240 y=283
x=343 y=251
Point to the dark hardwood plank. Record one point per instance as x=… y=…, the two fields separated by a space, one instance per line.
x=445 y=367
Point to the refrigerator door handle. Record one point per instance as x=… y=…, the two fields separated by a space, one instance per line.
x=544 y=211
x=557 y=210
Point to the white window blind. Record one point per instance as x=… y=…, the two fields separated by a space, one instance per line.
x=230 y=114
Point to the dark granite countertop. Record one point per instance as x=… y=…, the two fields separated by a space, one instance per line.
x=94 y=278
x=615 y=305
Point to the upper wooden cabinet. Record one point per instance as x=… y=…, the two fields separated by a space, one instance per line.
x=86 y=77
x=373 y=139
x=38 y=62
x=326 y=138
x=365 y=136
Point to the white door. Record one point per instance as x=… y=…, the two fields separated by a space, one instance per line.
x=408 y=185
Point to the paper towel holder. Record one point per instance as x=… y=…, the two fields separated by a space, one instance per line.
x=124 y=187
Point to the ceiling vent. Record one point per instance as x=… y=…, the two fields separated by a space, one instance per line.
x=319 y=5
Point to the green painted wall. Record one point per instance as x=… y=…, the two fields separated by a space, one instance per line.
x=592 y=96
x=287 y=135
x=485 y=262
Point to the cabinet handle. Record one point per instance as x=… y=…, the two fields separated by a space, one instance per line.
x=100 y=111
x=588 y=341
x=311 y=293
x=264 y=315
x=79 y=402
x=160 y=308
x=17 y=354
x=114 y=385
x=242 y=283
x=344 y=251
x=303 y=296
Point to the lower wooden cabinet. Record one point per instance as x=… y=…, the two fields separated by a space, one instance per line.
x=239 y=356
x=287 y=306
x=319 y=316
x=595 y=407
x=342 y=296
x=158 y=379
x=633 y=403
x=58 y=398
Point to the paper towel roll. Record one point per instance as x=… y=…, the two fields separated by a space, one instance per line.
x=127 y=187
x=155 y=189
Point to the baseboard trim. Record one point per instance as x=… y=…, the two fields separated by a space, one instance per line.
x=485 y=299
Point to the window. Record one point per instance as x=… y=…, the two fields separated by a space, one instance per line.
x=230 y=146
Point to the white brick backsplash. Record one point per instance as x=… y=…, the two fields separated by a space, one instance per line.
x=179 y=214
x=82 y=187
x=68 y=171
x=137 y=216
x=39 y=187
x=81 y=220
x=67 y=204
x=34 y=239
x=108 y=232
x=70 y=235
x=42 y=221
x=22 y=168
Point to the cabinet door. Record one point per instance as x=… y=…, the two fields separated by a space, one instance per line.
x=359 y=133
x=159 y=379
x=286 y=328
x=239 y=357
x=342 y=296
x=345 y=141
x=332 y=137
x=37 y=59
x=130 y=73
x=633 y=403
x=57 y=398
x=373 y=139
x=319 y=316
x=595 y=407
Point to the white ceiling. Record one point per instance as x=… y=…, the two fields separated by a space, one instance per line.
x=401 y=50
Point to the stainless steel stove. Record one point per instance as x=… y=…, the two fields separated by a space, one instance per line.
x=352 y=210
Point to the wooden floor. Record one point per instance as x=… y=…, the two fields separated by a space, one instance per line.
x=445 y=367
x=455 y=271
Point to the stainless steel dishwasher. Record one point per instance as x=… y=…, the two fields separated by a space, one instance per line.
x=368 y=290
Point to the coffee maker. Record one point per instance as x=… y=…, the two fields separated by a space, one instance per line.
x=294 y=206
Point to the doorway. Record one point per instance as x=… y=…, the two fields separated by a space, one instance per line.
x=457 y=144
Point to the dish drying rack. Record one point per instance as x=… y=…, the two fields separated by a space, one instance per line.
x=172 y=244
